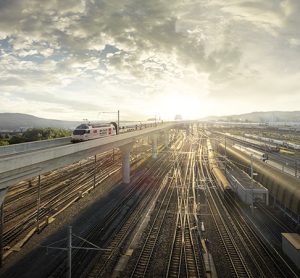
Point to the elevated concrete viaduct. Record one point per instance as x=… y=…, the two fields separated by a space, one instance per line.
x=20 y=166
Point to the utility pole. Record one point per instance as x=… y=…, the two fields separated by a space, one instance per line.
x=108 y=112
x=225 y=156
x=251 y=165
x=1 y=232
x=225 y=147
x=252 y=208
x=70 y=252
x=70 y=247
x=38 y=204
x=95 y=170
x=118 y=122
x=2 y=198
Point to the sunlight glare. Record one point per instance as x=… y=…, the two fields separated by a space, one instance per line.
x=187 y=106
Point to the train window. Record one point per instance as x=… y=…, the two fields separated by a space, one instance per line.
x=78 y=132
x=82 y=126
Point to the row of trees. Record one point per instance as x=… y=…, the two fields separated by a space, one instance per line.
x=35 y=134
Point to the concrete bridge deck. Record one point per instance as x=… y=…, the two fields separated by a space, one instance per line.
x=22 y=166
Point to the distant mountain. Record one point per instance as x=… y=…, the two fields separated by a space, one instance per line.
x=12 y=121
x=260 y=117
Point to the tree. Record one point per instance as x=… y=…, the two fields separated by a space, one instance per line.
x=16 y=139
x=37 y=134
x=3 y=142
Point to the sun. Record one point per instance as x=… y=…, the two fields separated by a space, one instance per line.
x=189 y=107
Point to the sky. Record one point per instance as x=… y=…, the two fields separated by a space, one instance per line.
x=74 y=59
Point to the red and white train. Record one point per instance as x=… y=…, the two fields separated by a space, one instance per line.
x=89 y=131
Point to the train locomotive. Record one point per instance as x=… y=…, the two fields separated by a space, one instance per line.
x=85 y=132
x=90 y=131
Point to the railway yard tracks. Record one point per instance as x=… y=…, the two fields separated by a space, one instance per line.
x=248 y=252
x=172 y=220
x=114 y=229
x=26 y=210
x=143 y=261
x=185 y=257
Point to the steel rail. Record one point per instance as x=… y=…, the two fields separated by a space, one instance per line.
x=235 y=259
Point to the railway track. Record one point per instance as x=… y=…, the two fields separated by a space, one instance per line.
x=280 y=224
x=175 y=260
x=185 y=258
x=56 y=265
x=270 y=262
x=192 y=267
x=59 y=189
x=55 y=196
x=126 y=226
x=248 y=254
x=112 y=231
x=173 y=180
x=142 y=265
x=232 y=256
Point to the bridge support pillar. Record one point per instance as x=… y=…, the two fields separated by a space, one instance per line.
x=2 y=194
x=126 y=149
x=166 y=137
x=154 y=146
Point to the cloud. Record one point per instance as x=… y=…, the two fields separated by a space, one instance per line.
x=133 y=27
x=106 y=50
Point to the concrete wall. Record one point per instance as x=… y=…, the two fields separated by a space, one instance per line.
x=30 y=146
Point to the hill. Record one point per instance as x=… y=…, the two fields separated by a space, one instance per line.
x=12 y=121
x=260 y=117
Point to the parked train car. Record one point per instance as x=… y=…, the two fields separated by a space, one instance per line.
x=216 y=171
x=293 y=146
x=266 y=147
x=275 y=141
x=284 y=188
x=257 y=154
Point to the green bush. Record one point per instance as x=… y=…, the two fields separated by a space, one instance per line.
x=3 y=143
x=37 y=134
x=16 y=139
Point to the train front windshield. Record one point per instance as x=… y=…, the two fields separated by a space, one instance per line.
x=78 y=132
